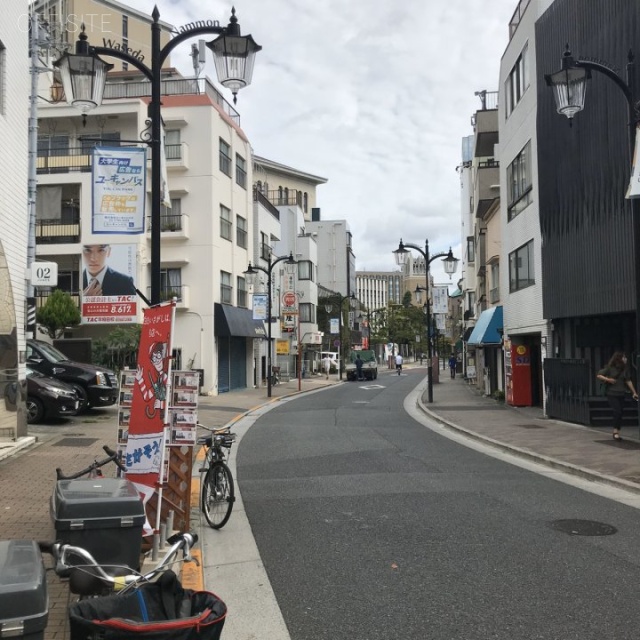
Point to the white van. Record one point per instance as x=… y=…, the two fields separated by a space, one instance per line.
x=334 y=355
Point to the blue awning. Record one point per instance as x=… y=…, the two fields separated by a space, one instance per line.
x=486 y=330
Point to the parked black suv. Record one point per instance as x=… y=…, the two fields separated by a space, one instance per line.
x=94 y=385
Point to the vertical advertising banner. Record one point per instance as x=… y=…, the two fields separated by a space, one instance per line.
x=440 y=296
x=260 y=306
x=118 y=177
x=148 y=413
x=108 y=288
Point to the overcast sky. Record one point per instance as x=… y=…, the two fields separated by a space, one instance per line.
x=375 y=96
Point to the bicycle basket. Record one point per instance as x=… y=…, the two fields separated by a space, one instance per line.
x=160 y=610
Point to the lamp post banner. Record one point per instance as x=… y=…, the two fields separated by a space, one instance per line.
x=334 y=325
x=440 y=299
x=118 y=177
x=634 y=184
x=260 y=304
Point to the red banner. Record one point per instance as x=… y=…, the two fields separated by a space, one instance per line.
x=149 y=402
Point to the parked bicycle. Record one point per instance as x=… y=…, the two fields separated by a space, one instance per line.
x=275 y=376
x=217 y=492
x=94 y=470
x=138 y=605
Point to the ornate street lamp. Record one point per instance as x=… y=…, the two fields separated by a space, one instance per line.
x=569 y=87
x=84 y=76
x=251 y=276
x=450 y=265
x=329 y=308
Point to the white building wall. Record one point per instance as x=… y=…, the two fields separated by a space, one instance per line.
x=333 y=238
x=14 y=111
x=522 y=309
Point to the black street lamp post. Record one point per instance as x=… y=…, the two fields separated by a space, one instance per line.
x=569 y=87
x=450 y=265
x=84 y=76
x=329 y=308
x=251 y=275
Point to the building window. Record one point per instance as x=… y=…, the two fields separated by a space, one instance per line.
x=471 y=303
x=521 y=273
x=241 y=232
x=494 y=292
x=225 y=158
x=172 y=144
x=265 y=247
x=281 y=195
x=171 y=218
x=3 y=73
x=242 y=291
x=125 y=26
x=170 y=284
x=471 y=249
x=50 y=145
x=519 y=182
x=305 y=270
x=241 y=171
x=96 y=139
x=305 y=202
x=226 y=223
x=518 y=81
x=226 y=290
x=307 y=312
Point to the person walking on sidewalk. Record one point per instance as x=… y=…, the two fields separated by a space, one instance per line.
x=326 y=363
x=617 y=379
x=453 y=363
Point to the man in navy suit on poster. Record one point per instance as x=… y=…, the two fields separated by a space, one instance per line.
x=100 y=280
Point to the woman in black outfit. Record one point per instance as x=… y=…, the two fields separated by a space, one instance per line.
x=617 y=378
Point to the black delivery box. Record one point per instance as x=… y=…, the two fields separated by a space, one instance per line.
x=105 y=516
x=23 y=590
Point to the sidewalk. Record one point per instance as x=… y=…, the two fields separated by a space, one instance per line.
x=586 y=451
x=27 y=474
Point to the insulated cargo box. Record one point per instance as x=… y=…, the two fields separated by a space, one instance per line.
x=105 y=516
x=23 y=590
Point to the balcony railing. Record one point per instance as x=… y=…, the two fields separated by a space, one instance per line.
x=172 y=87
x=180 y=292
x=279 y=198
x=258 y=196
x=58 y=231
x=64 y=159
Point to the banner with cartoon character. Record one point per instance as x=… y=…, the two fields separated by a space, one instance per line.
x=148 y=417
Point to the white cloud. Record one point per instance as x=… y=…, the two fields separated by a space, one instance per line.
x=373 y=96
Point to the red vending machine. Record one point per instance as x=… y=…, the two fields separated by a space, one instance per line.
x=517 y=368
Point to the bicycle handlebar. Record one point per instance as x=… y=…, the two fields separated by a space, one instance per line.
x=113 y=456
x=88 y=577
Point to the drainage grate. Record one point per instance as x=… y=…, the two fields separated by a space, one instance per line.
x=75 y=442
x=583 y=527
x=630 y=445
x=530 y=426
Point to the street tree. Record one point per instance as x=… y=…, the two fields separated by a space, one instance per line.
x=58 y=313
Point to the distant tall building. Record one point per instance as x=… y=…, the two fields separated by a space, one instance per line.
x=377 y=289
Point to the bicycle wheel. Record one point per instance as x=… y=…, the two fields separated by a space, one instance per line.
x=218 y=495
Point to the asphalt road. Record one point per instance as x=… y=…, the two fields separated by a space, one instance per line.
x=372 y=526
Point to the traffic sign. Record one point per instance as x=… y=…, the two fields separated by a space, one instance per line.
x=289 y=298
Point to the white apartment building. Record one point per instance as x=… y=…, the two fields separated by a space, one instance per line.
x=521 y=277
x=14 y=105
x=284 y=201
x=206 y=234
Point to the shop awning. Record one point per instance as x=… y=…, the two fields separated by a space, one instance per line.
x=486 y=330
x=233 y=321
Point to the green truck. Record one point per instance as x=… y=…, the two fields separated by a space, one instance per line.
x=369 y=365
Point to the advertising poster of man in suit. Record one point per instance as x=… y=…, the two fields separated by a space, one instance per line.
x=108 y=288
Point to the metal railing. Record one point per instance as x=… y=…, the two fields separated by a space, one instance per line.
x=58 y=231
x=43 y=296
x=172 y=87
x=60 y=160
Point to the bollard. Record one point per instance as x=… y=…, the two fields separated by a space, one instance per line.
x=163 y=535
x=170 y=523
x=155 y=547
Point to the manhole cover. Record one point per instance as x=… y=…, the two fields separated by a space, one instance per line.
x=583 y=527
x=530 y=426
x=75 y=442
x=630 y=445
